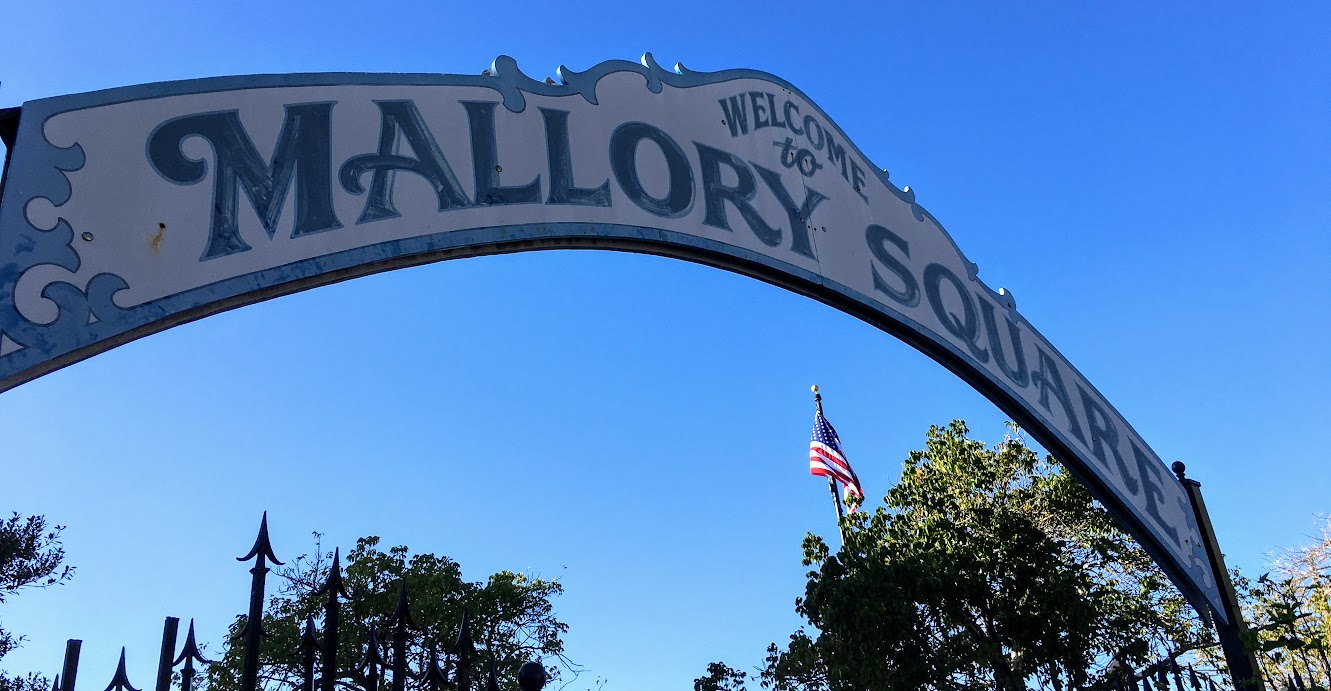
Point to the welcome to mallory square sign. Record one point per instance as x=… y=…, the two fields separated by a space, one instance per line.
x=128 y=211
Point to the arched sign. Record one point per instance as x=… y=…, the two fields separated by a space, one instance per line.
x=128 y=211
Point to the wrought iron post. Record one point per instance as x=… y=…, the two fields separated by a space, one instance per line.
x=492 y=679
x=401 y=621
x=253 y=631
x=332 y=588
x=188 y=655
x=1243 y=668
x=164 y=665
x=70 y=672
x=465 y=650
x=308 y=650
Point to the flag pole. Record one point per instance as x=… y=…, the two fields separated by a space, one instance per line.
x=831 y=482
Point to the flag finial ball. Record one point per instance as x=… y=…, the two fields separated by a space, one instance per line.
x=814 y=388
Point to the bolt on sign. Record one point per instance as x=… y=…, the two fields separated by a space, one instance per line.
x=127 y=211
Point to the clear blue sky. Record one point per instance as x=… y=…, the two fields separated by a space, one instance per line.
x=1153 y=184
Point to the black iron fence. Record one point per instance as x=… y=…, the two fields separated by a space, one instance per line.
x=1290 y=665
x=317 y=652
x=1159 y=675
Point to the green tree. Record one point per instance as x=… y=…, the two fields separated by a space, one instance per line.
x=986 y=568
x=511 y=614
x=1289 y=614
x=30 y=557
x=721 y=677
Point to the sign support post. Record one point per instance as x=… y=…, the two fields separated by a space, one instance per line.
x=1243 y=668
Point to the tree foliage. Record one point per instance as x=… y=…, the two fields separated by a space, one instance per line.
x=985 y=568
x=511 y=614
x=31 y=556
x=1289 y=614
x=720 y=677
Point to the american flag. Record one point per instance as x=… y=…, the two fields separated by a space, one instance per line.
x=826 y=458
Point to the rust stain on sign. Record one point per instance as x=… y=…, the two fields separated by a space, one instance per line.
x=155 y=243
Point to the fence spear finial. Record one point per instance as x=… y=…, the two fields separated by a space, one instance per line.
x=434 y=677
x=1177 y=672
x=191 y=650
x=373 y=655
x=189 y=654
x=373 y=662
x=402 y=614
x=120 y=682
x=1192 y=679
x=308 y=650
x=308 y=642
x=262 y=547
x=492 y=681
x=465 y=646
x=465 y=650
x=333 y=584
